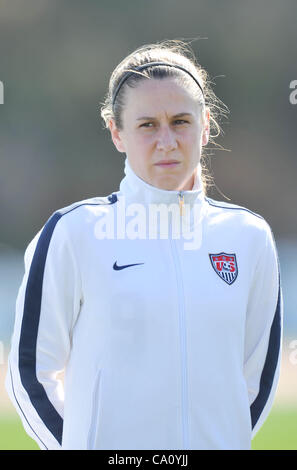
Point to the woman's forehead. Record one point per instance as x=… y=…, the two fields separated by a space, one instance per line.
x=153 y=95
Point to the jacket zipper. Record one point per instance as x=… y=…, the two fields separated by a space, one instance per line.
x=181 y=202
x=183 y=337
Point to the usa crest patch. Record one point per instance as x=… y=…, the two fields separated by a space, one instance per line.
x=225 y=265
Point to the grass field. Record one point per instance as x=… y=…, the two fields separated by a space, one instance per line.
x=279 y=432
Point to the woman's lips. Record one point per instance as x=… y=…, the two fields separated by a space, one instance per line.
x=167 y=163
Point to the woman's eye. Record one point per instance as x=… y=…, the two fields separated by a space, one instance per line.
x=147 y=124
x=180 y=121
x=176 y=122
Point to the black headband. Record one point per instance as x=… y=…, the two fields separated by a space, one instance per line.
x=152 y=64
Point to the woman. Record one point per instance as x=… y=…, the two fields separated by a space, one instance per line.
x=162 y=305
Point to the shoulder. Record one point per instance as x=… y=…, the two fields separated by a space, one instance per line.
x=222 y=206
x=236 y=216
x=86 y=205
x=74 y=217
x=83 y=208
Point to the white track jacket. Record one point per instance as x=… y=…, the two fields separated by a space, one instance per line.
x=167 y=342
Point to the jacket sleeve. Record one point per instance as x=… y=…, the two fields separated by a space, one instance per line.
x=47 y=306
x=263 y=333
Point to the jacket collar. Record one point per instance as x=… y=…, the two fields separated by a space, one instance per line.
x=181 y=220
x=136 y=190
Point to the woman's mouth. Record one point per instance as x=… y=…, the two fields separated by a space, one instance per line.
x=167 y=163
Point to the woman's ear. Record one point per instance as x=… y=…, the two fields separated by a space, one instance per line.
x=206 y=127
x=116 y=136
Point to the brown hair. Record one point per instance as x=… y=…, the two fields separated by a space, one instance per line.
x=173 y=52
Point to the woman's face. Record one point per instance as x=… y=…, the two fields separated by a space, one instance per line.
x=163 y=133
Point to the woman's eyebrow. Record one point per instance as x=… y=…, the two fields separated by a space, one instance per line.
x=174 y=117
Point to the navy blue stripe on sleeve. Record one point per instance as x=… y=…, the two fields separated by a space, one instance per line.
x=270 y=365
x=30 y=323
x=29 y=331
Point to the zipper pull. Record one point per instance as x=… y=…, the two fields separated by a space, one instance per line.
x=181 y=203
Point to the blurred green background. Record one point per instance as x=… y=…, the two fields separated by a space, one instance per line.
x=56 y=57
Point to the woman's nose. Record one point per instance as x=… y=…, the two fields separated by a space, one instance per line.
x=166 y=140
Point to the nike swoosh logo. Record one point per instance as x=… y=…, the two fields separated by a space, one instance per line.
x=118 y=268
